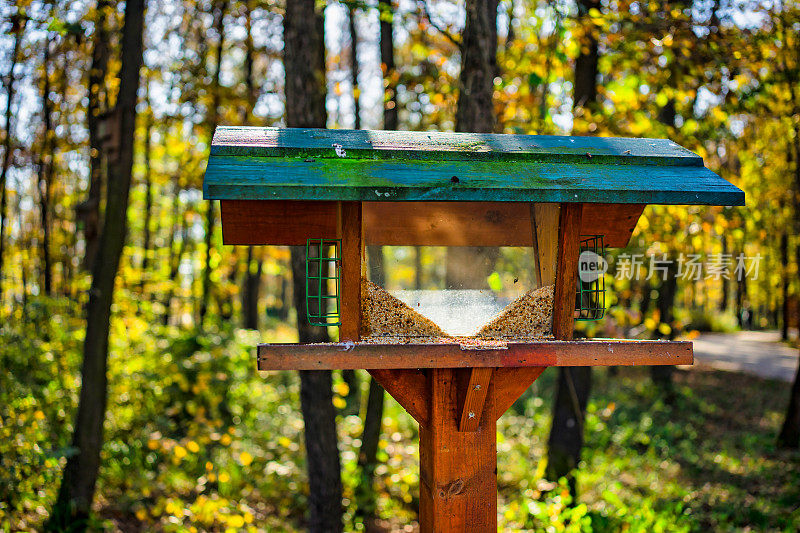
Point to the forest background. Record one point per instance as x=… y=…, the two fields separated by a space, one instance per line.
x=113 y=274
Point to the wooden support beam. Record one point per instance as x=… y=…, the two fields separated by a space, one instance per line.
x=352 y=235
x=409 y=387
x=510 y=383
x=595 y=352
x=458 y=469
x=291 y=222
x=569 y=227
x=471 y=408
x=544 y=227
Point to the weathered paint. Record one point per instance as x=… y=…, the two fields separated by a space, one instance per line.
x=309 y=164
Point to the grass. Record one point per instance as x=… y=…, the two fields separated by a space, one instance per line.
x=197 y=440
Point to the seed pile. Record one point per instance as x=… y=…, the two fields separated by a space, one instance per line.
x=383 y=315
x=528 y=317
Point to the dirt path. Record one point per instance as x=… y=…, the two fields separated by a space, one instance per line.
x=754 y=352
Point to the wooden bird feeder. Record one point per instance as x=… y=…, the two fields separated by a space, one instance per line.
x=339 y=192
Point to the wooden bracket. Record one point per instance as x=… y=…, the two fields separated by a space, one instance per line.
x=510 y=383
x=471 y=408
x=409 y=387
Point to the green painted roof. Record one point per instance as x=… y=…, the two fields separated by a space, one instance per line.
x=317 y=164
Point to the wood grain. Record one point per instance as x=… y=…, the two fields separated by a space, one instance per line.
x=544 y=353
x=474 y=396
x=319 y=143
x=544 y=221
x=458 y=469
x=409 y=387
x=352 y=259
x=510 y=383
x=567 y=272
x=291 y=222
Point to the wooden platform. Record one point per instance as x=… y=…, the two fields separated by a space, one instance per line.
x=330 y=356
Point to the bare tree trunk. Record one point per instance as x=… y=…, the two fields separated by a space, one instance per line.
x=785 y=285
x=304 y=64
x=351 y=19
x=220 y=8
x=43 y=173
x=148 y=197
x=88 y=211
x=386 y=15
x=789 y=436
x=475 y=107
x=17 y=28
x=250 y=291
x=662 y=374
x=80 y=474
x=574 y=384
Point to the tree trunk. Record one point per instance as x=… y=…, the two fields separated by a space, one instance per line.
x=569 y=413
x=17 y=28
x=386 y=16
x=250 y=291
x=220 y=8
x=80 y=474
x=351 y=19
x=148 y=197
x=785 y=285
x=88 y=211
x=789 y=436
x=574 y=384
x=367 y=455
x=475 y=106
x=726 y=282
x=662 y=374
x=304 y=64
x=43 y=173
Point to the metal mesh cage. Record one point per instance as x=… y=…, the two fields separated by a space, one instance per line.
x=590 y=297
x=323 y=275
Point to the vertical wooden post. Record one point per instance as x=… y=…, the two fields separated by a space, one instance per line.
x=458 y=469
x=569 y=228
x=352 y=234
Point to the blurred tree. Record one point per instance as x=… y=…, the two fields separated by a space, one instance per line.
x=88 y=211
x=304 y=64
x=71 y=510
x=18 y=21
x=45 y=165
x=220 y=9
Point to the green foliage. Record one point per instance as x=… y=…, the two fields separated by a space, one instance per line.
x=195 y=438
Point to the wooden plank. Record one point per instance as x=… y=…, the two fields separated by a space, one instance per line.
x=517 y=354
x=409 y=388
x=279 y=222
x=471 y=408
x=510 y=383
x=291 y=222
x=440 y=145
x=351 y=179
x=352 y=260
x=458 y=469
x=567 y=273
x=544 y=219
x=446 y=224
x=615 y=222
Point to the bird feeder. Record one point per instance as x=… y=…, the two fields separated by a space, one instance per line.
x=457 y=351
